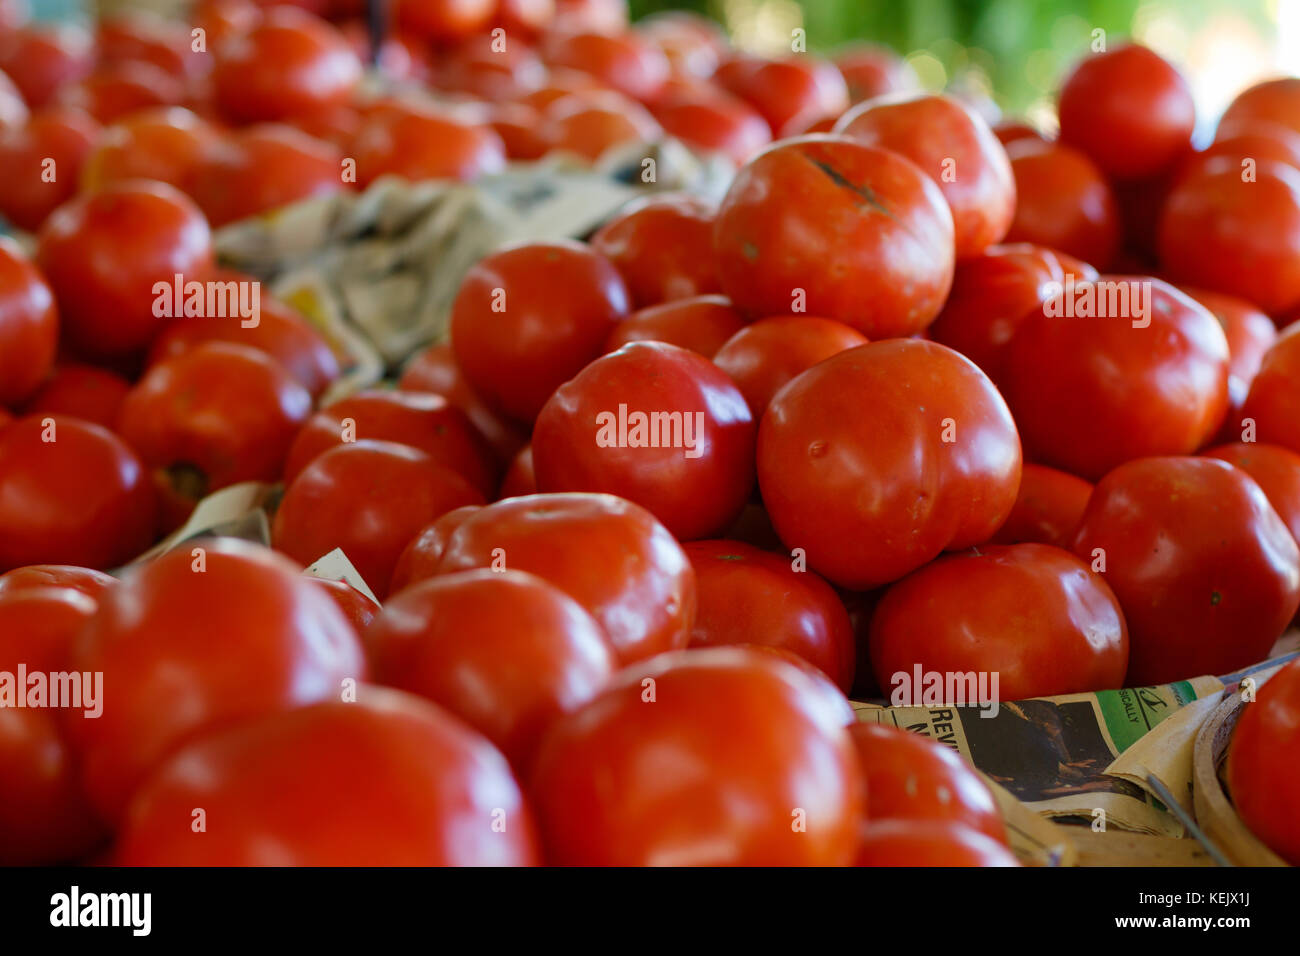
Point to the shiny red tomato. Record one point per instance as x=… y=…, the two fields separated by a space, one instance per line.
x=519 y=127
x=386 y=780
x=444 y=20
x=663 y=247
x=1207 y=573
x=693 y=43
x=761 y=358
x=791 y=93
x=754 y=731
x=176 y=674
x=939 y=449
x=360 y=610
x=81 y=391
x=521 y=477
x=1265 y=784
x=1063 y=202
x=526 y=17
x=506 y=652
x=954 y=147
x=849 y=232
x=907 y=843
x=86 y=581
x=911 y=777
x=1129 y=109
x=104 y=252
x=288 y=63
x=748 y=596
x=369 y=498
x=29 y=325
x=418 y=144
x=1122 y=368
x=623 y=61
x=1276 y=101
x=1273 y=403
x=13 y=111
x=1275 y=469
x=655 y=424
x=871 y=70
x=609 y=555
x=166 y=144
x=481 y=67
x=1032 y=614
x=127 y=37
x=42 y=58
x=1250 y=334
x=70 y=493
x=30 y=187
x=701 y=324
x=604 y=16
x=114 y=91
x=44 y=817
x=529 y=317
x=714 y=122
x=420 y=558
x=1048 y=508
x=592 y=125
x=213 y=416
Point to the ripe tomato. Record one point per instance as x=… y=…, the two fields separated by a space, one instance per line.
x=444 y=20
x=31 y=188
x=1275 y=101
x=283 y=643
x=1207 y=573
x=761 y=358
x=602 y=16
x=521 y=476
x=871 y=70
x=911 y=777
x=655 y=424
x=1261 y=774
x=956 y=149
x=663 y=247
x=609 y=555
x=897 y=843
x=1275 y=469
x=387 y=780
x=1250 y=334
x=70 y=493
x=791 y=93
x=288 y=63
x=104 y=252
x=1063 y=202
x=13 y=111
x=1048 y=508
x=714 y=122
x=418 y=144
x=1032 y=614
x=42 y=58
x=113 y=91
x=1273 y=402
x=127 y=37
x=506 y=652
x=624 y=61
x=1104 y=372
x=1229 y=232
x=213 y=416
x=754 y=731
x=483 y=69
x=421 y=420
x=939 y=449
x=369 y=498
x=165 y=144
x=1130 y=110
x=1248 y=140
x=591 y=125
x=86 y=581
x=81 y=391
x=356 y=607
x=529 y=317
x=526 y=17
x=854 y=233
x=420 y=558
x=1008 y=131
x=29 y=326
x=701 y=324
x=694 y=44
x=44 y=817
x=748 y=596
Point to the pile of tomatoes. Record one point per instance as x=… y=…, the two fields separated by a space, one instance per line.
x=667 y=496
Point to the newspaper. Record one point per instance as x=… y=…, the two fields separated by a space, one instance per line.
x=335 y=566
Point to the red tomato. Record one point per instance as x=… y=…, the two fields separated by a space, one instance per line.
x=1254 y=141
x=872 y=71
x=655 y=424
x=1119 y=369
x=213 y=416
x=59 y=135
x=854 y=233
x=529 y=317
x=44 y=817
x=609 y=555
x=104 y=252
x=604 y=16
x=591 y=125
x=484 y=69
x=264 y=167
x=283 y=643
x=1207 y=573
x=1130 y=110
x=763 y=357
x=506 y=652
x=129 y=37
x=59 y=576
x=166 y=144
x=663 y=247
x=1032 y=614
x=1008 y=131
x=939 y=450
x=521 y=476
x=82 y=391
x=13 y=111
x=790 y=93
x=115 y=90
x=907 y=843
x=1265 y=785
x=1276 y=101
x=955 y=148
x=42 y=58
x=527 y=17
x=420 y=558
x=288 y=63
x=1250 y=334
x=1048 y=508
x=715 y=123
x=733 y=728
x=1063 y=202
x=623 y=61
x=70 y=493
x=1275 y=469
x=701 y=324
x=694 y=44
x=356 y=607
x=444 y=20
x=1231 y=232
x=519 y=127
x=421 y=420
x=418 y=144
x=221 y=19
x=388 y=780
x=911 y=777
x=369 y=498
x=1273 y=403
x=29 y=326
x=748 y=596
